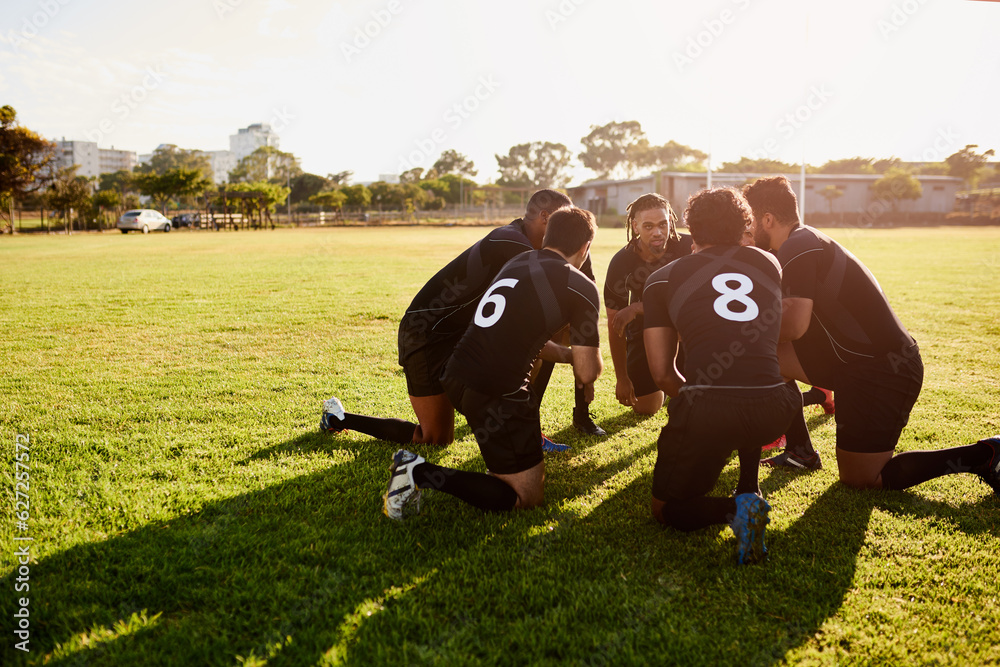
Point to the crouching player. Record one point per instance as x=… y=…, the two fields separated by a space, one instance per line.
x=723 y=305
x=486 y=378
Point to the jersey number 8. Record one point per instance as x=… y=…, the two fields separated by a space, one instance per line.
x=498 y=301
x=722 y=305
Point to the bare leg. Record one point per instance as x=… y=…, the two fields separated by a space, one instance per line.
x=436 y=419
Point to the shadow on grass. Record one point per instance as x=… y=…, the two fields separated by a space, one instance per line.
x=309 y=569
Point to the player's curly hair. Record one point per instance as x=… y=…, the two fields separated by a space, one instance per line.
x=718 y=216
x=645 y=202
x=773 y=195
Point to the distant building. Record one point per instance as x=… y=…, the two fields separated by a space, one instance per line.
x=611 y=197
x=93 y=161
x=222 y=162
x=250 y=138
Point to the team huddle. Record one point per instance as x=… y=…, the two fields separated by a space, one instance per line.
x=723 y=321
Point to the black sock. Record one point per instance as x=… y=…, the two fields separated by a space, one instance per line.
x=911 y=468
x=749 y=470
x=580 y=402
x=797 y=435
x=541 y=382
x=483 y=491
x=688 y=515
x=813 y=397
x=383 y=428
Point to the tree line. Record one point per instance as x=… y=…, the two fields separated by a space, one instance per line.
x=177 y=178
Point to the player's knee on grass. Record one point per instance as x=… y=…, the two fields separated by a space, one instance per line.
x=649 y=404
x=861 y=470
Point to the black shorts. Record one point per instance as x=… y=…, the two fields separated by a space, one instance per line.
x=705 y=427
x=423 y=369
x=637 y=367
x=874 y=400
x=507 y=428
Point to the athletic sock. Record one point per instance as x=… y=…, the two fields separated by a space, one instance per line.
x=383 y=428
x=580 y=403
x=541 y=382
x=696 y=513
x=912 y=468
x=813 y=397
x=749 y=470
x=483 y=491
x=797 y=435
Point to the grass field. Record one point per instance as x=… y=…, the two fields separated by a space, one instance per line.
x=185 y=509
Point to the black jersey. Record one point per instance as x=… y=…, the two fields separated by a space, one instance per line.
x=627 y=274
x=535 y=295
x=725 y=302
x=444 y=307
x=851 y=318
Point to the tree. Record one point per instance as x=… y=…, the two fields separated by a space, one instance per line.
x=107 y=200
x=333 y=199
x=851 y=165
x=340 y=178
x=829 y=193
x=453 y=162
x=534 y=165
x=25 y=159
x=304 y=186
x=167 y=157
x=897 y=185
x=757 y=166
x=179 y=182
x=411 y=175
x=272 y=193
x=671 y=155
x=614 y=148
x=357 y=195
x=968 y=165
x=267 y=163
x=69 y=192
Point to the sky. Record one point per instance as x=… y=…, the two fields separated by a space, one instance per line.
x=380 y=86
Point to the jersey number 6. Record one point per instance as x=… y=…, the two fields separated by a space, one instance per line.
x=739 y=295
x=498 y=301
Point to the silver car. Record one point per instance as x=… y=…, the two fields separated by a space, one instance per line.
x=143 y=220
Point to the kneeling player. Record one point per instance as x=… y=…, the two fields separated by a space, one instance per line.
x=534 y=295
x=724 y=304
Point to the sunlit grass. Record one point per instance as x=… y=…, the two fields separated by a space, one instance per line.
x=186 y=510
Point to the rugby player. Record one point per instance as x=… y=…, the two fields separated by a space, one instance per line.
x=535 y=295
x=839 y=331
x=435 y=321
x=653 y=242
x=723 y=305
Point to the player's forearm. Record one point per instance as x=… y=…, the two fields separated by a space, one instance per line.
x=619 y=355
x=556 y=353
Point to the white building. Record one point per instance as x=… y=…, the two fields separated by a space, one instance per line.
x=222 y=162
x=250 y=138
x=93 y=161
x=611 y=197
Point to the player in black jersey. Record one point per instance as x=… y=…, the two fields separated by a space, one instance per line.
x=653 y=242
x=435 y=321
x=534 y=296
x=842 y=334
x=723 y=306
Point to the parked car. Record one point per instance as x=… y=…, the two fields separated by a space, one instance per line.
x=143 y=220
x=186 y=220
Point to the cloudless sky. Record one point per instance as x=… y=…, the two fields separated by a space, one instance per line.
x=376 y=86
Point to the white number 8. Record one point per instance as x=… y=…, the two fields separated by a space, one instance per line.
x=739 y=295
x=499 y=303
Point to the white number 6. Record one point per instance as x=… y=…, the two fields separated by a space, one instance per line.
x=499 y=303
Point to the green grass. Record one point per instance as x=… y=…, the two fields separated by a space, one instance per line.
x=185 y=509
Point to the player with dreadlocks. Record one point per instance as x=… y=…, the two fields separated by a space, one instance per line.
x=652 y=242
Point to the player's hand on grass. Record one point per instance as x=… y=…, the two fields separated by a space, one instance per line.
x=625 y=392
